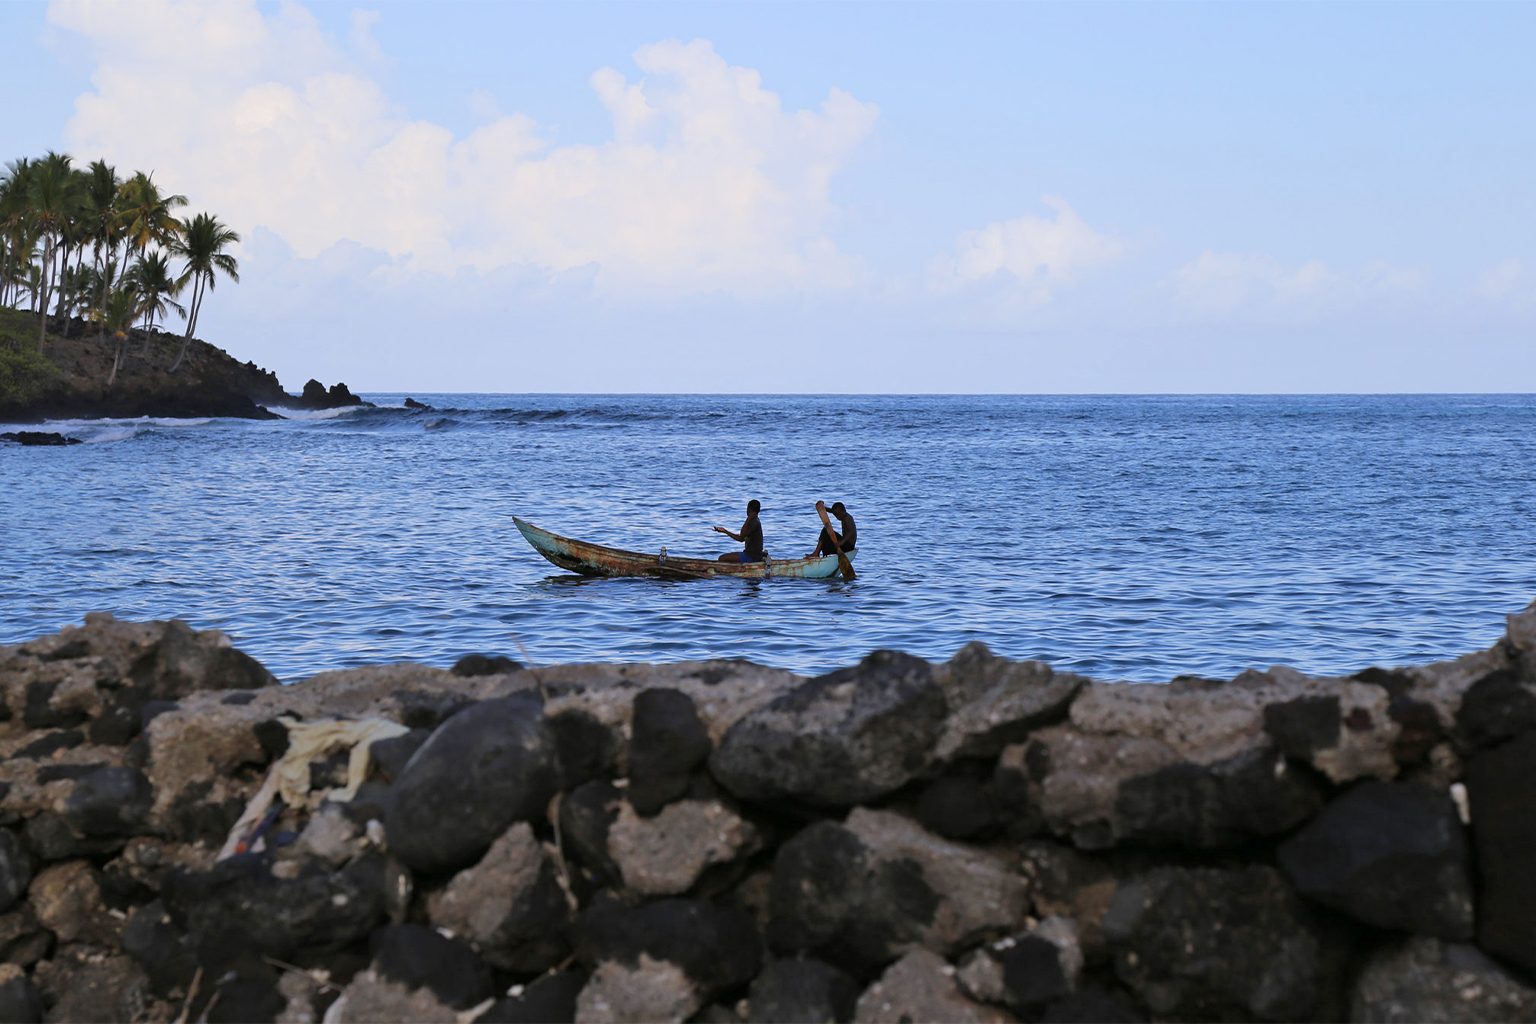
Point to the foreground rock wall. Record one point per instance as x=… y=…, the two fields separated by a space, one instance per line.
x=978 y=840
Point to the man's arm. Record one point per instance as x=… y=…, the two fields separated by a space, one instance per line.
x=728 y=533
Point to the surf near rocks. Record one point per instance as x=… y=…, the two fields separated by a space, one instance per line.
x=982 y=839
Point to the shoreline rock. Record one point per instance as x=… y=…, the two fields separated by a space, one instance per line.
x=980 y=839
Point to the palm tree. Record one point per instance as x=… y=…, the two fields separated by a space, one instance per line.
x=117 y=315
x=156 y=287
x=201 y=243
x=106 y=229
x=146 y=214
x=54 y=196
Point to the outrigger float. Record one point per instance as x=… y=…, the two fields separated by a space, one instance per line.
x=595 y=560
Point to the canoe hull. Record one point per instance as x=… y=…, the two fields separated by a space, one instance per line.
x=595 y=560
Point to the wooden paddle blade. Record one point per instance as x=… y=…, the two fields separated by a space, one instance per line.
x=842 y=560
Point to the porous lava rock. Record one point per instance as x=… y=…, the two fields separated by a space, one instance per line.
x=993 y=701
x=1389 y=854
x=860 y=893
x=666 y=854
x=482 y=770
x=840 y=739
x=1211 y=943
x=1501 y=787
x=1421 y=979
x=15 y=868
x=510 y=905
x=20 y=1001
x=921 y=987
x=417 y=956
x=550 y=998
x=1025 y=972
x=798 y=989
x=671 y=956
x=110 y=802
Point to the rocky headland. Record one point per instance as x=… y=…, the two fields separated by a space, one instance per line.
x=72 y=378
x=181 y=838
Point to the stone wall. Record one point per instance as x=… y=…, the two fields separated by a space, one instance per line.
x=980 y=840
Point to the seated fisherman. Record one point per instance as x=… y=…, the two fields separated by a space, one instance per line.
x=848 y=539
x=751 y=537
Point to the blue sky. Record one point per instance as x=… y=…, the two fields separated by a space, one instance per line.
x=831 y=197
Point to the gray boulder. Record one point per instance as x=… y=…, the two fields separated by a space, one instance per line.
x=483 y=769
x=921 y=987
x=110 y=802
x=1422 y=979
x=993 y=701
x=667 y=742
x=840 y=739
x=1202 y=943
x=1390 y=854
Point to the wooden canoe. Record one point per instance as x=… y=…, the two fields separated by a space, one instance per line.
x=596 y=560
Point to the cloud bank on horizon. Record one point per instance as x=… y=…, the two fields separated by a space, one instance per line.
x=711 y=203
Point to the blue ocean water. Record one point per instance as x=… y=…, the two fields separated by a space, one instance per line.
x=1125 y=537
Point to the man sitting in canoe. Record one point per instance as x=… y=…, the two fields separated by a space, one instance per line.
x=751 y=537
x=848 y=539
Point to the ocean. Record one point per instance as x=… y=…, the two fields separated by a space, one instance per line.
x=1125 y=537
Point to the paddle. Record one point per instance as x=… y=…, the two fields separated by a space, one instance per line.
x=842 y=559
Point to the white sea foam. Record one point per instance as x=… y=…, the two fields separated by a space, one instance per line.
x=313 y=414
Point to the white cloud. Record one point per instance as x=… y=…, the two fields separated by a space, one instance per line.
x=1034 y=256
x=1508 y=278
x=1220 y=284
x=708 y=184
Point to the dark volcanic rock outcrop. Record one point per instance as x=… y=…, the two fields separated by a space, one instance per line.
x=979 y=840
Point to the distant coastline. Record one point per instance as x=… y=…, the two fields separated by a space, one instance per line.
x=70 y=378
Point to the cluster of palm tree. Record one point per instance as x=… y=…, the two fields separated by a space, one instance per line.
x=90 y=243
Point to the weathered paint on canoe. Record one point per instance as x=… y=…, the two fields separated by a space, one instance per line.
x=596 y=560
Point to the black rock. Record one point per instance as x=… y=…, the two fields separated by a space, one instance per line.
x=1391 y=855
x=1257 y=794
x=238 y=699
x=272 y=734
x=484 y=665
x=488 y=766
x=586 y=813
x=430 y=710
x=411 y=403
x=55 y=772
x=1032 y=974
x=45 y=746
x=840 y=739
x=796 y=990
x=830 y=897
x=110 y=802
x=1216 y=944
x=957 y=807
x=246 y=1001
x=1501 y=786
x=393 y=754
x=1092 y=1004
x=185 y=662
x=165 y=951
x=588 y=748
x=414 y=955
x=39 y=438
x=717 y=947
x=371 y=803
x=1304 y=725
x=238 y=907
x=667 y=742
x=51 y=839
x=550 y=1000
x=121 y=718
x=15 y=869
x=1494 y=709
x=330 y=772
x=21 y=1002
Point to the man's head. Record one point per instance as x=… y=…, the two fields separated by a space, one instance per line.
x=838 y=509
x=754 y=507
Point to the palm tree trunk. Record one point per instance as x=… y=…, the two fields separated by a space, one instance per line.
x=197 y=300
x=42 y=322
x=117 y=360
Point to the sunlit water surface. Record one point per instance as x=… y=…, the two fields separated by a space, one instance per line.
x=1125 y=537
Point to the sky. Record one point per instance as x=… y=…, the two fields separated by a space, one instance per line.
x=851 y=197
